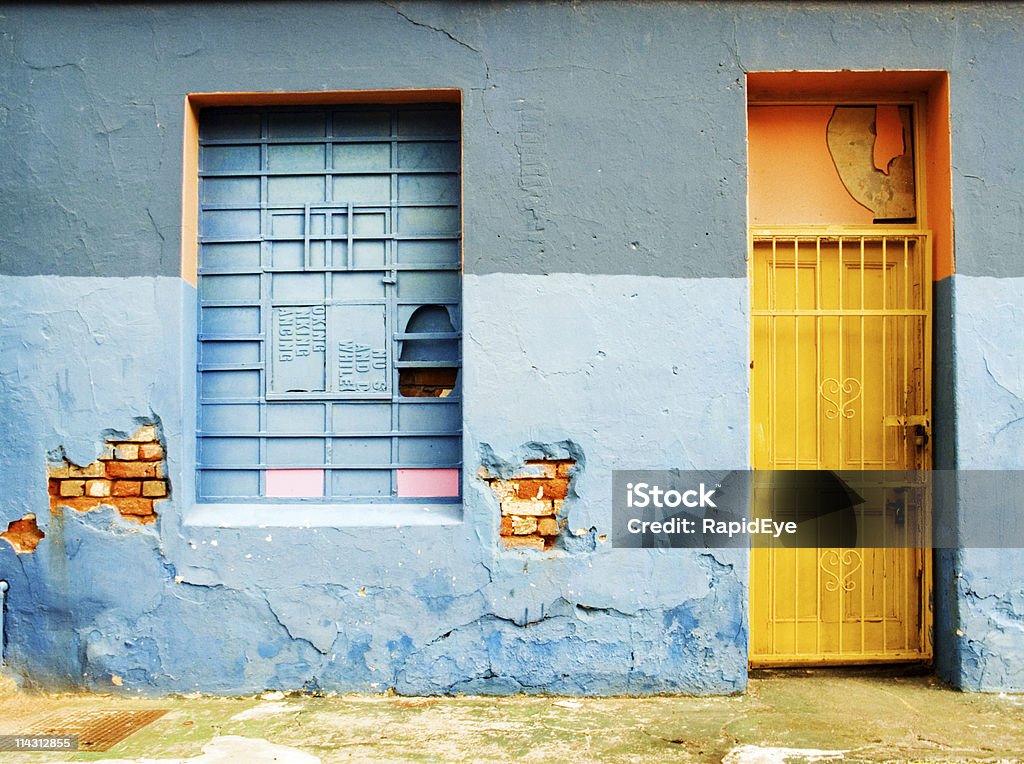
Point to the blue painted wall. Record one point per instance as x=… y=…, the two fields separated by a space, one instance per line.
x=605 y=304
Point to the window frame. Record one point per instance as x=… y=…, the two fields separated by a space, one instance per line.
x=333 y=510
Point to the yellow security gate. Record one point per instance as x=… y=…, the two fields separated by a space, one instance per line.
x=840 y=376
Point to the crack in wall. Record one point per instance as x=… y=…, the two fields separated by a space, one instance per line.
x=446 y=33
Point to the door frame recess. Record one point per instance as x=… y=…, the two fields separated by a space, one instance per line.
x=928 y=91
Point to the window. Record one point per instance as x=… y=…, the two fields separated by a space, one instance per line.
x=329 y=281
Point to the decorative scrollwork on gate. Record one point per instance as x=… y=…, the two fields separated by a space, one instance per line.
x=840 y=396
x=846 y=562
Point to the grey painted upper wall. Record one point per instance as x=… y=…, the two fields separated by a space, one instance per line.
x=599 y=137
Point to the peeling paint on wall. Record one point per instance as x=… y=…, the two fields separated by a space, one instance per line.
x=23 y=534
x=854 y=144
x=130 y=475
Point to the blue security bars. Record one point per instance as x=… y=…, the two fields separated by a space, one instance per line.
x=329 y=288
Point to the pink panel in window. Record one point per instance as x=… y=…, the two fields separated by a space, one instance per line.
x=422 y=484
x=293 y=484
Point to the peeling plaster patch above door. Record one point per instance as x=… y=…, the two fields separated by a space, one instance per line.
x=889 y=142
x=852 y=142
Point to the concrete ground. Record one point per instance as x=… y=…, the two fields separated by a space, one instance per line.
x=786 y=717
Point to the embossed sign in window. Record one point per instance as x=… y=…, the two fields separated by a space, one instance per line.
x=329 y=286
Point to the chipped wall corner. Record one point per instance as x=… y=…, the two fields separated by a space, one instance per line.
x=129 y=475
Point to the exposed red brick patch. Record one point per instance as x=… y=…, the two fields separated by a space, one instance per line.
x=131 y=469
x=129 y=476
x=24 y=534
x=126 y=488
x=531 y=502
x=549 y=488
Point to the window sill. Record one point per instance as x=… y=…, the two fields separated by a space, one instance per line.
x=322 y=516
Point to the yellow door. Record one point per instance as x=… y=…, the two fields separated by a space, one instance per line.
x=841 y=381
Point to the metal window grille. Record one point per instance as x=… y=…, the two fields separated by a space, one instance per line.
x=329 y=286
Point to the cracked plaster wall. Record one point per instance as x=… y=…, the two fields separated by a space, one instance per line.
x=562 y=102
x=988 y=615
x=179 y=607
x=600 y=140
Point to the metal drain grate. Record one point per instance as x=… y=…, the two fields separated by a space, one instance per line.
x=96 y=730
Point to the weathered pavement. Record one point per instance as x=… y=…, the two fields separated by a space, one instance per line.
x=802 y=716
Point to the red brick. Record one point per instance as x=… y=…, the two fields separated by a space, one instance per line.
x=154 y=488
x=72 y=487
x=503 y=489
x=526 y=507
x=126 y=488
x=126 y=452
x=150 y=452
x=564 y=468
x=506 y=525
x=524 y=526
x=81 y=504
x=131 y=469
x=528 y=542
x=97 y=488
x=547 y=526
x=133 y=506
x=24 y=534
x=543 y=489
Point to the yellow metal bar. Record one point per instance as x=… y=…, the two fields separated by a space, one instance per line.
x=926 y=568
x=847 y=313
x=773 y=303
x=818 y=448
x=885 y=451
x=906 y=439
x=839 y=421
x=796 y=355
x=863 y=382
x=833 y=233
x=796 y=434
x=874 y=656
